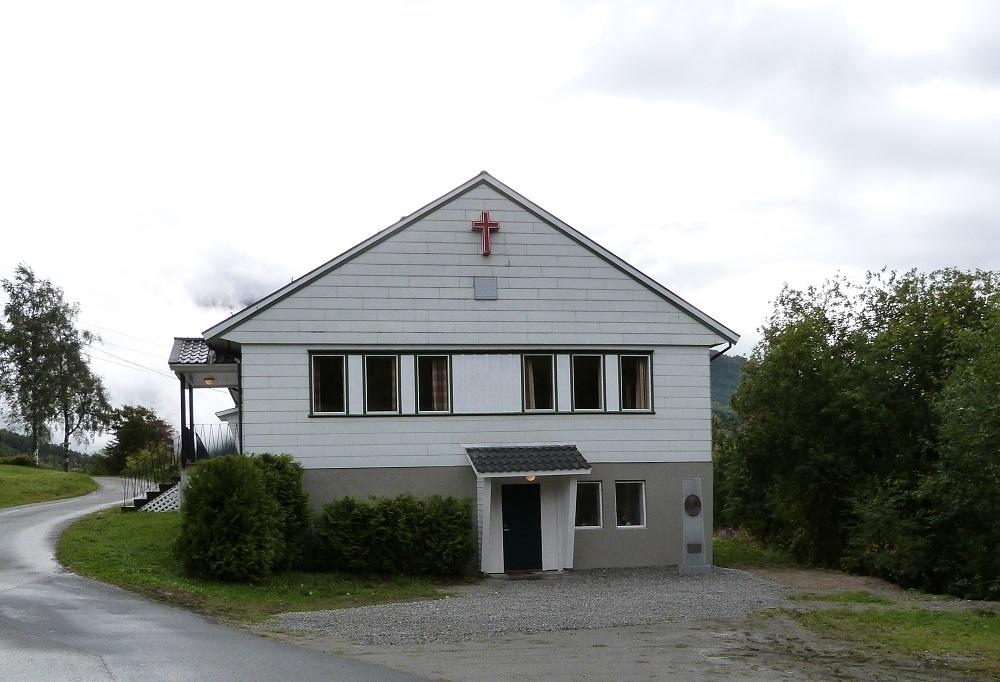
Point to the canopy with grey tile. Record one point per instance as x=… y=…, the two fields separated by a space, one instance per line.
x=517 y=460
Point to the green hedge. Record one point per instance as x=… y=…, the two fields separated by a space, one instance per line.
x=282 y=477
x=18 y=460
x=229 y=524
x=398 y=535
x=243 y=517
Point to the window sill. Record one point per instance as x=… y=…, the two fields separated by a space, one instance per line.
x=588 y=528
x=630 y=527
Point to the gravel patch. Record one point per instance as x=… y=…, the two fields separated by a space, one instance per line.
x=570 y=601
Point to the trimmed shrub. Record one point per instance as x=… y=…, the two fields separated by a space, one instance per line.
x=230 y=525
x=397 y=535
x=283 y=481
x=18 y=460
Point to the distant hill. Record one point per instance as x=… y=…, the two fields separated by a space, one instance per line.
x=727 y=372
x=49 y=454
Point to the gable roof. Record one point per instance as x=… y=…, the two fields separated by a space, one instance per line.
x=482 y=178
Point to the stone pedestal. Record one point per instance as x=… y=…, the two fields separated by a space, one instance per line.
x=694 y=550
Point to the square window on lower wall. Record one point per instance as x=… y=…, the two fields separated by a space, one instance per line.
x=630 y=504
x=588 y=504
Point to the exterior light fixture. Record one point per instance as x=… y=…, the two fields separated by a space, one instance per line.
x=209 y=381
x=531 y=477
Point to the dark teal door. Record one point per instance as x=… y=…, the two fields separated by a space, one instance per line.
x=522 y=527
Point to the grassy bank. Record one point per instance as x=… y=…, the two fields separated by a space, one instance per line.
x=134 y=551
x=24 y=485
x=967 y=640
x=742 y=551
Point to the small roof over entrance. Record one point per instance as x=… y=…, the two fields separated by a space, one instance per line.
x=490 y=461
x=201 y=366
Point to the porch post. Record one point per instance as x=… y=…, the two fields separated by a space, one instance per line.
x=184 y=450
x=193 y=452
x=239 y=393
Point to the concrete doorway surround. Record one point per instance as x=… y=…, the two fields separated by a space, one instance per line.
x=551 y=469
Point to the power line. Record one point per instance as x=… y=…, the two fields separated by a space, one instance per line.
x=131 y=362
x=115 y=331
x=119 y=364
x=158 y=356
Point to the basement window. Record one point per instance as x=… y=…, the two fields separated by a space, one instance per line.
x=588 y=504
x=630 y=504
x=588 y=383
x=381 y=384
x=539 y=383
x=329 y=388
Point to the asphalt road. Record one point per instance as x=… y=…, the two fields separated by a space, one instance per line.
x=57 y=626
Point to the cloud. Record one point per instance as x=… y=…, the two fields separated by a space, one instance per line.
x=818 y=77
x=233 y=282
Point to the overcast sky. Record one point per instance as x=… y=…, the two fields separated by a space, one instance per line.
x=165 y=163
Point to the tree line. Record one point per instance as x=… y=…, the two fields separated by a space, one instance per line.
x=47 y=384
x=866 y=432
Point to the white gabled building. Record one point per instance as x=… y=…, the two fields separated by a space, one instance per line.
x=482 y=347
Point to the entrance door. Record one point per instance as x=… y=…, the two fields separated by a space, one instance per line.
x=522 y=527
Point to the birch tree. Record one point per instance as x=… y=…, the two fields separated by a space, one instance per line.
x=43 y=374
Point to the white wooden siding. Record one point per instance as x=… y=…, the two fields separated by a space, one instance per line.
x=355 y=383
x=407 y=384
x=486 y=383
x=417 y=288
x=612 y=389
x=276 y=418
x=564 y=386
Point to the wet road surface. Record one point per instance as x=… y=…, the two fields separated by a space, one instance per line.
x=57 y=626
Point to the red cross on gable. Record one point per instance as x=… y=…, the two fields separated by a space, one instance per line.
x=485 y=226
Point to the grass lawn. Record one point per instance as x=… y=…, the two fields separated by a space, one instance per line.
x=23 y=485
x=968 y=639
x=742 y=551
x=859 y=597
x=133 y=550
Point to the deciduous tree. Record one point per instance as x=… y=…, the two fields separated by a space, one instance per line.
x=33 y=346
x=135 y=428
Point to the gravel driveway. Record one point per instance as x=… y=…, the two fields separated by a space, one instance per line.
x=570 y=601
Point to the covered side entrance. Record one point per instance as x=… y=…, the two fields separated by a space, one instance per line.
x=199 y=366
x=526 y=497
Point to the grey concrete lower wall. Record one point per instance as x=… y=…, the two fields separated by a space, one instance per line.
x=326 y=485
x=659 y=543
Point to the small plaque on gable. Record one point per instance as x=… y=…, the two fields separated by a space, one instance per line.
x=485 y=288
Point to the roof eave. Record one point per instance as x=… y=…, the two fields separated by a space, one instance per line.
x=524 y=474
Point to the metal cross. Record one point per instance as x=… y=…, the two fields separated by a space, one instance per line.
x=485 y=226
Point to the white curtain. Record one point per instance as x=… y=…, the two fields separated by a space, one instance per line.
x=529 y=384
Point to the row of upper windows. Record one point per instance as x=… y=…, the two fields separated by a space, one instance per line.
x=434 y=383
